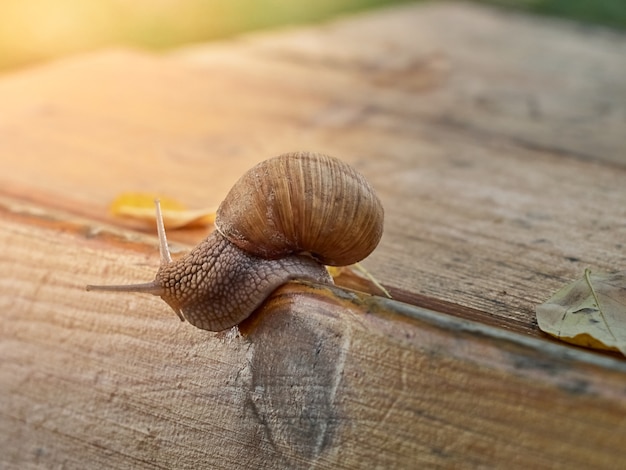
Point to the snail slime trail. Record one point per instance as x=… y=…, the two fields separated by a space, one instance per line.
x=279 y=222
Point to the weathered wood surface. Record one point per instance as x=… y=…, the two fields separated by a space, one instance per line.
x=483 y=133
x=496 y=143
x=321 y=378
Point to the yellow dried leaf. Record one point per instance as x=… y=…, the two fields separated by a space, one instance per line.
x=140 y=206
x=336 y=271
x=590 y=312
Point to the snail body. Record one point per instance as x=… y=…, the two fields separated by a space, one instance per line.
x=283 y=220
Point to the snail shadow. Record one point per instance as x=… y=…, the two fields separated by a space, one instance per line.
x=296 y=367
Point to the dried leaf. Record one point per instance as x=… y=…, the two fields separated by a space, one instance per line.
x=140 y=206
x=590 y=312
x=357 y=269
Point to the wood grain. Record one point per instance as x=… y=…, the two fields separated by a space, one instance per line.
x=500 y=179
x=496 y=144
x=319 y=378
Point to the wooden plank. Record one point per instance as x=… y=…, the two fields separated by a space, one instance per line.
x=319 y=378
x=486 y=155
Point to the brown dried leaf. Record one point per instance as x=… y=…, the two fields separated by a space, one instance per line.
x=590 y=312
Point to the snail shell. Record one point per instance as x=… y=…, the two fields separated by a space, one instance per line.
x=283 y=220
x=305 y=203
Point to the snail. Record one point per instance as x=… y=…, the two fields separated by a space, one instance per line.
x=283 y=220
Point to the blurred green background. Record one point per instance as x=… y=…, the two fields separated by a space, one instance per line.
x=35 y=30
